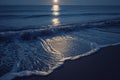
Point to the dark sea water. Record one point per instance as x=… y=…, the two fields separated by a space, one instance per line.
x=38 y=39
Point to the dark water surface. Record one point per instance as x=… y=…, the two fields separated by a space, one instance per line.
x=38 y=39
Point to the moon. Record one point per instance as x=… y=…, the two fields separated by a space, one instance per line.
x=55 y=1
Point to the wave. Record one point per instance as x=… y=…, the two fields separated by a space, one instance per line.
x=51 y=15
x=31 y=33
x=40 y=51
x=17 y=11
x=76 y=14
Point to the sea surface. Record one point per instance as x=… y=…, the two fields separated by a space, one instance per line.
x=35 y=40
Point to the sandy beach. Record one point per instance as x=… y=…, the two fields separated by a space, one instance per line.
x=102 y=65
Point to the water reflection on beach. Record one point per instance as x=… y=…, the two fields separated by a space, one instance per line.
x=59 y=44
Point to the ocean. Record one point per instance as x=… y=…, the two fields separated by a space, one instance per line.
x=35 y=40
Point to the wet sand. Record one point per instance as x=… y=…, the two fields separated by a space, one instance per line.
x=102 y=65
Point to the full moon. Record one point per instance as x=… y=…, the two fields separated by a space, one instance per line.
x=55 y=1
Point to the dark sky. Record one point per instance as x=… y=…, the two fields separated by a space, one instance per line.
x=68 y=2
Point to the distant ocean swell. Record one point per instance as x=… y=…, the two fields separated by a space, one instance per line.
x=51 y=15
x=25 y=52
x=32 y=33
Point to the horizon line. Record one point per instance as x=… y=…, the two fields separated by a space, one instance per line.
x=52 y=4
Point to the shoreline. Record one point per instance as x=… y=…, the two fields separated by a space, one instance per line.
x=101 y=65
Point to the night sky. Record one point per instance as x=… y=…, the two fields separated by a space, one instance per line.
x=62 y=2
